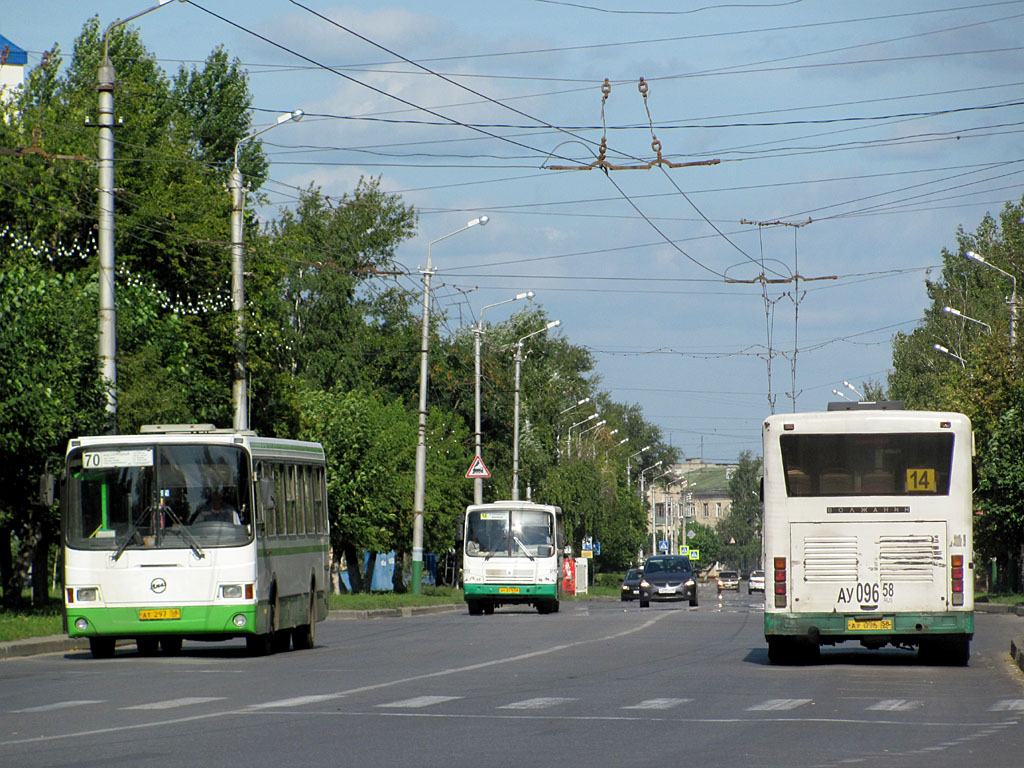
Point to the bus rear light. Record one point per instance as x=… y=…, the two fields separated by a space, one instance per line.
x=956 y=576
x=780 y=582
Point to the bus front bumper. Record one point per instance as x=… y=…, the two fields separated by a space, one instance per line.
x=510 y=593
x=188 y=620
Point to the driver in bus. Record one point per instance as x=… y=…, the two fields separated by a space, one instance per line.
x=217 y=509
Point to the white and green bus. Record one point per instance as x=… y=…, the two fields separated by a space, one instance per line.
x=867 y=531
x=512 y=555
x=192 y=532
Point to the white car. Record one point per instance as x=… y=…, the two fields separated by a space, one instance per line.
x=755 y=582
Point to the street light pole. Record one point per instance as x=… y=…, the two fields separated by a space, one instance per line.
x=962 y=316
x=568 y=439
x=478 y=482
x=629 y=478
x=643 y=496
x=850 y=387
x=239 y=384
x=954 y=355
x=601 y=423
x=515 y=428
x=1013 y=295
x=106 y=346
x=421 y=438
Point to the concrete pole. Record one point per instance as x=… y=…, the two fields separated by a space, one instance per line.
x=515 y=421
x=107 y=345
x=239 y=386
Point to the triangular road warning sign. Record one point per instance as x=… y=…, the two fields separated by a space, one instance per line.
x=477 y=469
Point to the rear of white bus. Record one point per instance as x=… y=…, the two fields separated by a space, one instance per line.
x=867 y=533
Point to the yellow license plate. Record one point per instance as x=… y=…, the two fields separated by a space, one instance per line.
x=854 y=625
x=508 y=590
x=156 y=614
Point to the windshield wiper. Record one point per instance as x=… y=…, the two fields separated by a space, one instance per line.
x=523 y=547
x=188 y=537
x=504 y=538
x=132 y=531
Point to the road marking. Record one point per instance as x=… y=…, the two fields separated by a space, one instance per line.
x=420 y=701
x=895 y=705
x=58 y=705
x=175 y=703
x=541 y=702
x=1008 y=705
x=777 y=704
x=658 y=703
x=297 y=701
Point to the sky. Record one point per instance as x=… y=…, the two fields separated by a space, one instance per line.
x=833 y=148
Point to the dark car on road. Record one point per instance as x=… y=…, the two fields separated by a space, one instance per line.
x=668 y=577
x=631 y=585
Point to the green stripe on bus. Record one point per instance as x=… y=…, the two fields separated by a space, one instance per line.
x=195 y=620
x=510 y=591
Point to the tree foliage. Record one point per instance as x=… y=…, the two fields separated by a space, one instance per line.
x=979 y=375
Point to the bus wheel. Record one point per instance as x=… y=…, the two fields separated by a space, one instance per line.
x=148 y=646
x=488 y=608
x=263 y=645
x=475 y=608
x=958 y=651
x=781 y=650
x=304 y=636
x=171 y=645
x=101 y=647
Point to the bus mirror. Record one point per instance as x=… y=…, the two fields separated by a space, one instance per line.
x=762 y=489
x=460 y=532
x=545 y=550
x=47 y=484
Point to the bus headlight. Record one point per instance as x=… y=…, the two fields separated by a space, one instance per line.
x=81 y=624
x=239 y=620
x=86 y=594
x=231 y=592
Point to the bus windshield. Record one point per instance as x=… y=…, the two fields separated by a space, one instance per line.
x=879 y=464
x=163 y=496
x=510 y=533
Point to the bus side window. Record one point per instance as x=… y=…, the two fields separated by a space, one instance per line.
x=309 y=495
x=291 y=497
x=319 y=507
x=282 y=504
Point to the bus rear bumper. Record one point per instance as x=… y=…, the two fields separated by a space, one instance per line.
x=897 y=628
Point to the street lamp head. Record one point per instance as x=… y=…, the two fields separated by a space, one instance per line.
x=975 y=257
x=528 y=295
x=553 y=324
x=297 y=114
x=481 y=220
x=940 y=348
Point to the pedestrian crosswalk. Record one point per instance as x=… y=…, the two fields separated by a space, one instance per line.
x=534 y=703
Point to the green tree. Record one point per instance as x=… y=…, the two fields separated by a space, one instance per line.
x=740 y=531
x=983 y=380
x=49 y=389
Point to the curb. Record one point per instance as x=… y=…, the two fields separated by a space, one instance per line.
x=34 y=646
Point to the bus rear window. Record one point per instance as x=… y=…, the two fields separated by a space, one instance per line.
x=867 y=464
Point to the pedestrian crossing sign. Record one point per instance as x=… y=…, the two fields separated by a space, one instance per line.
x=477 y=469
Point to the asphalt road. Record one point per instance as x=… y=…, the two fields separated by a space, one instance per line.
x=598 y=684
